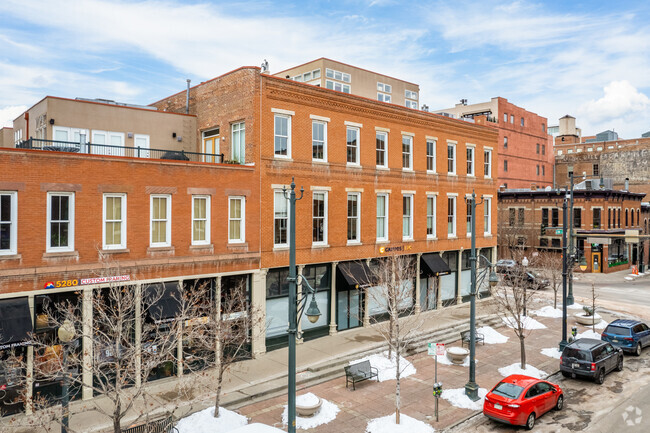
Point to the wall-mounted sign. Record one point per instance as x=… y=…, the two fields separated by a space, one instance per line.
x=390 y=249
x=558 y=231
x=85 y=281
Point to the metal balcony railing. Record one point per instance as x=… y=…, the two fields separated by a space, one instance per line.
x=109 y=150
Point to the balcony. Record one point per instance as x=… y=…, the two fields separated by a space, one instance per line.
x=118 y=151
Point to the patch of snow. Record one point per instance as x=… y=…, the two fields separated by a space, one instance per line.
x=588 y=334
x=444 y=360
x=205 y=422
x=387 y=367
x=629 y=278
x=308 y=399
x=407 y=424
x=516 y=369
x=456 y=397
x=325 y=414
x=527 y=322
x=553 y=352
x=491 y=336
x=602 y=324
x=548 y=311
x=584 y=314
x=574 y=306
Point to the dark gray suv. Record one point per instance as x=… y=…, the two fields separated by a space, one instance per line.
x=590 y=358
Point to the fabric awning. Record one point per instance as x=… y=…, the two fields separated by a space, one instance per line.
x=432 y=264
x=15 y=323
x=163 y=301
x=355 y=274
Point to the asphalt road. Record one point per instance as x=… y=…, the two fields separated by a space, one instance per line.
x=636 y=292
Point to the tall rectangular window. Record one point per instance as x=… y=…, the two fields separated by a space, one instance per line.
x=319 y=218
x=596 y=217
x=239 y=142
x=537 y=148
x=319 y=140
x=353 y=145
x=451 y=158
x=609 y=218
x=487 y=163
x=545 y=217
x=407 y=152
x=555 y=217
x=431 y=156
x=236 y=219
x=596 y=170
x=382 y=217
x=521 y=217
x=382 y=143
x=512 y=118
x=577 y=217
x=354 y=222
x=431 y=216
x=487 y=215
x=282 y=133
x=505 y=117
x=200 y=219
x=407 y=217
x=451 y=216
x=511 y=216
x=469 y=217
x=114 y=233
x=280 y=219
x=470 y=161
x=8 y=222
x=161 y=220
x=505 y=165
x=60 y=221
x=505 y=142
x=522 y=121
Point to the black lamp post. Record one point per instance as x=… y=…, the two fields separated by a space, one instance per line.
x=66 y=334
x=569 y=297
x=565 y=266
x=296 y=306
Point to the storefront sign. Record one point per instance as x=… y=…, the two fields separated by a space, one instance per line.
x=601 y=241
x=85 y=281
x=383 y=250
x=632 y=236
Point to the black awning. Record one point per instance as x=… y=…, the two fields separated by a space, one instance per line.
x=355 y=274
x=163 y=301
x=432 y=264
x=15 y=322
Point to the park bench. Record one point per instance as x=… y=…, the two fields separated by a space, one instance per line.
x=464 y=338
x=359 y=372
x=165 y=425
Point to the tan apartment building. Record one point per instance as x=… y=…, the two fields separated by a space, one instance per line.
x=345 y=78
x=6 y=137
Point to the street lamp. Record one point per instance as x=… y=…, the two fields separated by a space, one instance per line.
x=565 y=265
x=471 y=387
x=524 y=263
x=66 y=334
x=296 y=306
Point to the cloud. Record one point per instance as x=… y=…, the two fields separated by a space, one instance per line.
x=620 y=100
x=8 y=114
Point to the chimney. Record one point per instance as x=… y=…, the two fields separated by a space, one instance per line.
x=187 y=98
x=627 y=184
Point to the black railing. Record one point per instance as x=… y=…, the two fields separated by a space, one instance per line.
x=109 y=150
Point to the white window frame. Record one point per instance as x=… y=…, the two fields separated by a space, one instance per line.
x=431 y=216
x=288 y=218
x=468 y=216
x=453 y=159
x=71 y=219
x=487 y=163
x=206 y=241
x=505 y=117
x=358 y=146
x=168 y=227
x=144 y=150
x=408 y=236
x=383 y=87
x=409 y=94
x=411 y=104
x=325 y=219
x=384 y=151
x=432 y=156
x=344 y=88
x=122 y=244
x=288 y=136
x=487 y=216
x=452 y=234
x=386 y=197
x=242 y=221
x=358 y=217
x=320 y=122
x=240 y=129
x=108 y=136
x=472 y=150
x=13 y=224
x=384 y=97
x=409 y=138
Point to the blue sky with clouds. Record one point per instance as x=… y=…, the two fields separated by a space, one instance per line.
x=590 y=59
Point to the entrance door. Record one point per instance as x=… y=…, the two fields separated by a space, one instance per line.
x=348 y=307
x=210 y=146
x=596 y=262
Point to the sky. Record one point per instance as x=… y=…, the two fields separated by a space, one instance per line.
x=589 y=59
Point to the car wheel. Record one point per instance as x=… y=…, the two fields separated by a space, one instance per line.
x=530 y=422
x=559 y=404
x=566 y=374
x=637 y=351
x=600 y=377
x=619 y=364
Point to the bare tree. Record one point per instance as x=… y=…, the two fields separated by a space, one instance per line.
x=594 y=296
x=551 y=265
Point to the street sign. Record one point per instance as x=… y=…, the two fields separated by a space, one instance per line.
x=558 y=231
x=431 y=349
x=437 y=349
x=440 y=349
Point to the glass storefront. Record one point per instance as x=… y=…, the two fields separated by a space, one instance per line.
x=15 y=329
x=319 y=278
x=448 y=282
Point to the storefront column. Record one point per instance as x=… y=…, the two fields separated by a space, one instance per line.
x=418 y=307
x=179 y=336
x=138 y=335
x=366 y=311
x=29 y=382
x=299 y=293
x=459 y=277
x=258 y=309
x=87 y=332
x=333 y=300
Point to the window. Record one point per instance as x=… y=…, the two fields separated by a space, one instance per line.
x=470 y=161
x=451 y=216
x=354 y=222
x=407 y=152
x=353 y=145
x=410 y=94
x=487 y=163
x=382 y=97
x=201 y=220
x=337 y=75
x=537 y=171
x=210 y=145
x=596 y=170
x=626 y=219
x=487 y=215
x=407 y=217
x=632 y=217
x=114 y=233
x=469 y=217
x=239 y=142
x=619 y=218
x=18 y=136
x=537 y=148
x=505 y=165
x=577 y=217
x=555 y=217
x=505 y=117
x=8 y=222
x=544 y=217
x=609 y=218
x=522 y=121
x=319 y=140
x=382 y=217
x=521 y=216
x=60 y=221
x=381 y=140
x=543 y=149
x=505 y=142
x=431 y=216
x=280 y=219
x=451 y=158
x=596 y=217
x=512 y=118
x=109 y=143
x=282 y=135
x=319 y=218
x=411 y=104
x=431 y=156
x=337 y=86
x=161 y=215
x=384 y=87
x=543 y=170
x=511 y=216
x=236 y=219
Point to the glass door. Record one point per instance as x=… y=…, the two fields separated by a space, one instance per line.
x=348 y=309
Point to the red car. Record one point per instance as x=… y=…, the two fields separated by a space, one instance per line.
x=519 y=400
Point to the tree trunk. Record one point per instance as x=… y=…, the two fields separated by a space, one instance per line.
x=218 y=392
x=398 y=402
x=555 y=291
x=522 y=349
x=116 y=416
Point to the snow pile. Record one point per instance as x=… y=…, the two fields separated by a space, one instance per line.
x=407 y=424
x=205 y=422
x=492 y=336
x=387 y=367
x=553 y=352
x=444 y=360
x=457 y=397
x=574 y=306
x=602 y=324
x=325 y=414
x=588 y=334
x=516 y=369
x=548 y=311
x=629 y=278
x=527 y=322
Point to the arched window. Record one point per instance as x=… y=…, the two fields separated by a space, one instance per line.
x=632 y=217
x=626 y=216
x=609 y=218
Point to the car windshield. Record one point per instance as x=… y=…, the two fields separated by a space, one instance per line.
x=508 y=390
x=581 y=355
x=617 y=330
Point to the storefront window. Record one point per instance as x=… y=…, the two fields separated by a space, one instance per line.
x=15 y=329
x=617 y=253
x=448 y=282
x=319 y=278
x=277 y=307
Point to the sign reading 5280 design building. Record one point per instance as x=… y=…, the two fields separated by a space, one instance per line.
x=85 y=281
